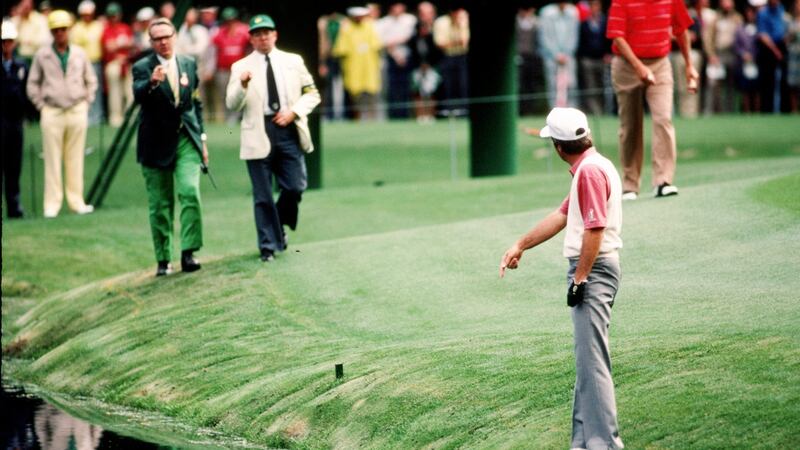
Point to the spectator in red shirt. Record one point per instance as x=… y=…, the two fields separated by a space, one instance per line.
x=641 y=68
x=230 y=41
x=117 y=43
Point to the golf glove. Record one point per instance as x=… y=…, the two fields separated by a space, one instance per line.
x=575 y=293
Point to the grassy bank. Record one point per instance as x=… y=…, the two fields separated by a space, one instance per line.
x=400 y=284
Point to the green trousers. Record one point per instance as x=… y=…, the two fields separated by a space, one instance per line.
x=161 y=185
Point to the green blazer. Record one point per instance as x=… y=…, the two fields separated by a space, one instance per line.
x=161 y=120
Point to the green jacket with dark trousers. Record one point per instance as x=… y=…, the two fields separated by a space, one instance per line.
x=162 y=121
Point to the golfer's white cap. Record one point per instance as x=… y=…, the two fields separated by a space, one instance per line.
x=565 y=124
x=86 y=7
x=9 y=31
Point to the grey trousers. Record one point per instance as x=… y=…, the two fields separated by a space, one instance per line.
x=594 y=409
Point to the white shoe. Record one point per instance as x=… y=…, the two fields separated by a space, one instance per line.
x=630 y=195
x=50 y=215
x=85 y=209
x=665 y=190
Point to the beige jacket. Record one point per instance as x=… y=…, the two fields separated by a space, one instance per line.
x=49 y=85
x=301 y=95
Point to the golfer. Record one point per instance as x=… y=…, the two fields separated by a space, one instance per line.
x=592 y=216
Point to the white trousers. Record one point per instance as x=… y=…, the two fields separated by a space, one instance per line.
x=63 y=139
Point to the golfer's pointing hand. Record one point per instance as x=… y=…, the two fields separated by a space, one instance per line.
x=510 y=259
x=159 y=74
x=245 y=78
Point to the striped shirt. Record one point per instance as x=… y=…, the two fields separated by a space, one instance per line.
x=647 y=25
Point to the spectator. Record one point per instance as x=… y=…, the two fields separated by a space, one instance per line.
x=208 y=19
x=32 y=32
x=746 y=68
x=45 y=8
x=721 y=85
x=425 y=55
x=529 y=63
x=793 y=76
x=641 y=71
x=772 y=55
x=330 y=71
x=167 y=10
x=193 y=39
x=212 y=100
x=230 y=41
x=451 y=35
x=62 y=85
x=395 y=31
x=593 y=57
x=117 y=42
x=688 y=104
x=425 y=81
x=374 y=11
x=558 y=41
x=87 y=34
x=141 y=38
x=704 y=18
x=14 y=75
x=358 y=46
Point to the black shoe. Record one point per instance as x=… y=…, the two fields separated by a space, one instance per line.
x=267 y=255
x=188 y=263
x=665 y=190
x=164 y=268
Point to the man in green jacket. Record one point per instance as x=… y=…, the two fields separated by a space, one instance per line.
x=171 y=145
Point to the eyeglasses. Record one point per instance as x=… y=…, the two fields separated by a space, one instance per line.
x=161 y=38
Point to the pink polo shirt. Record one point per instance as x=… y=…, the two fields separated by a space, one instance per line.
x=593 y=193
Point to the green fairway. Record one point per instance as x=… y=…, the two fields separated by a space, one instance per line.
x=400 y=284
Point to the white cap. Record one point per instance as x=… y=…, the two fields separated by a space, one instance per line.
x=357 y=11
x=757 y=3
x=565 y=124
x=86 y=7
x=145 y=13
x=9 y=30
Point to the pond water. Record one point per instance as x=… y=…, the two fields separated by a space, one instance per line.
x=29 y=423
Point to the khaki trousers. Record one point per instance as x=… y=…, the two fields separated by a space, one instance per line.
x=688 y=103
x=120 y=92
x=64 y=138
x=631 y=94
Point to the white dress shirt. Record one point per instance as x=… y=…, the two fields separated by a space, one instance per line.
x=173 y=74
x=279 y=82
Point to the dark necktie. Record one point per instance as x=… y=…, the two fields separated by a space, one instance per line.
x=272 y=89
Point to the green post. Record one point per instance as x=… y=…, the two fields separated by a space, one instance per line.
x=492 y=73
x=296 y=23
